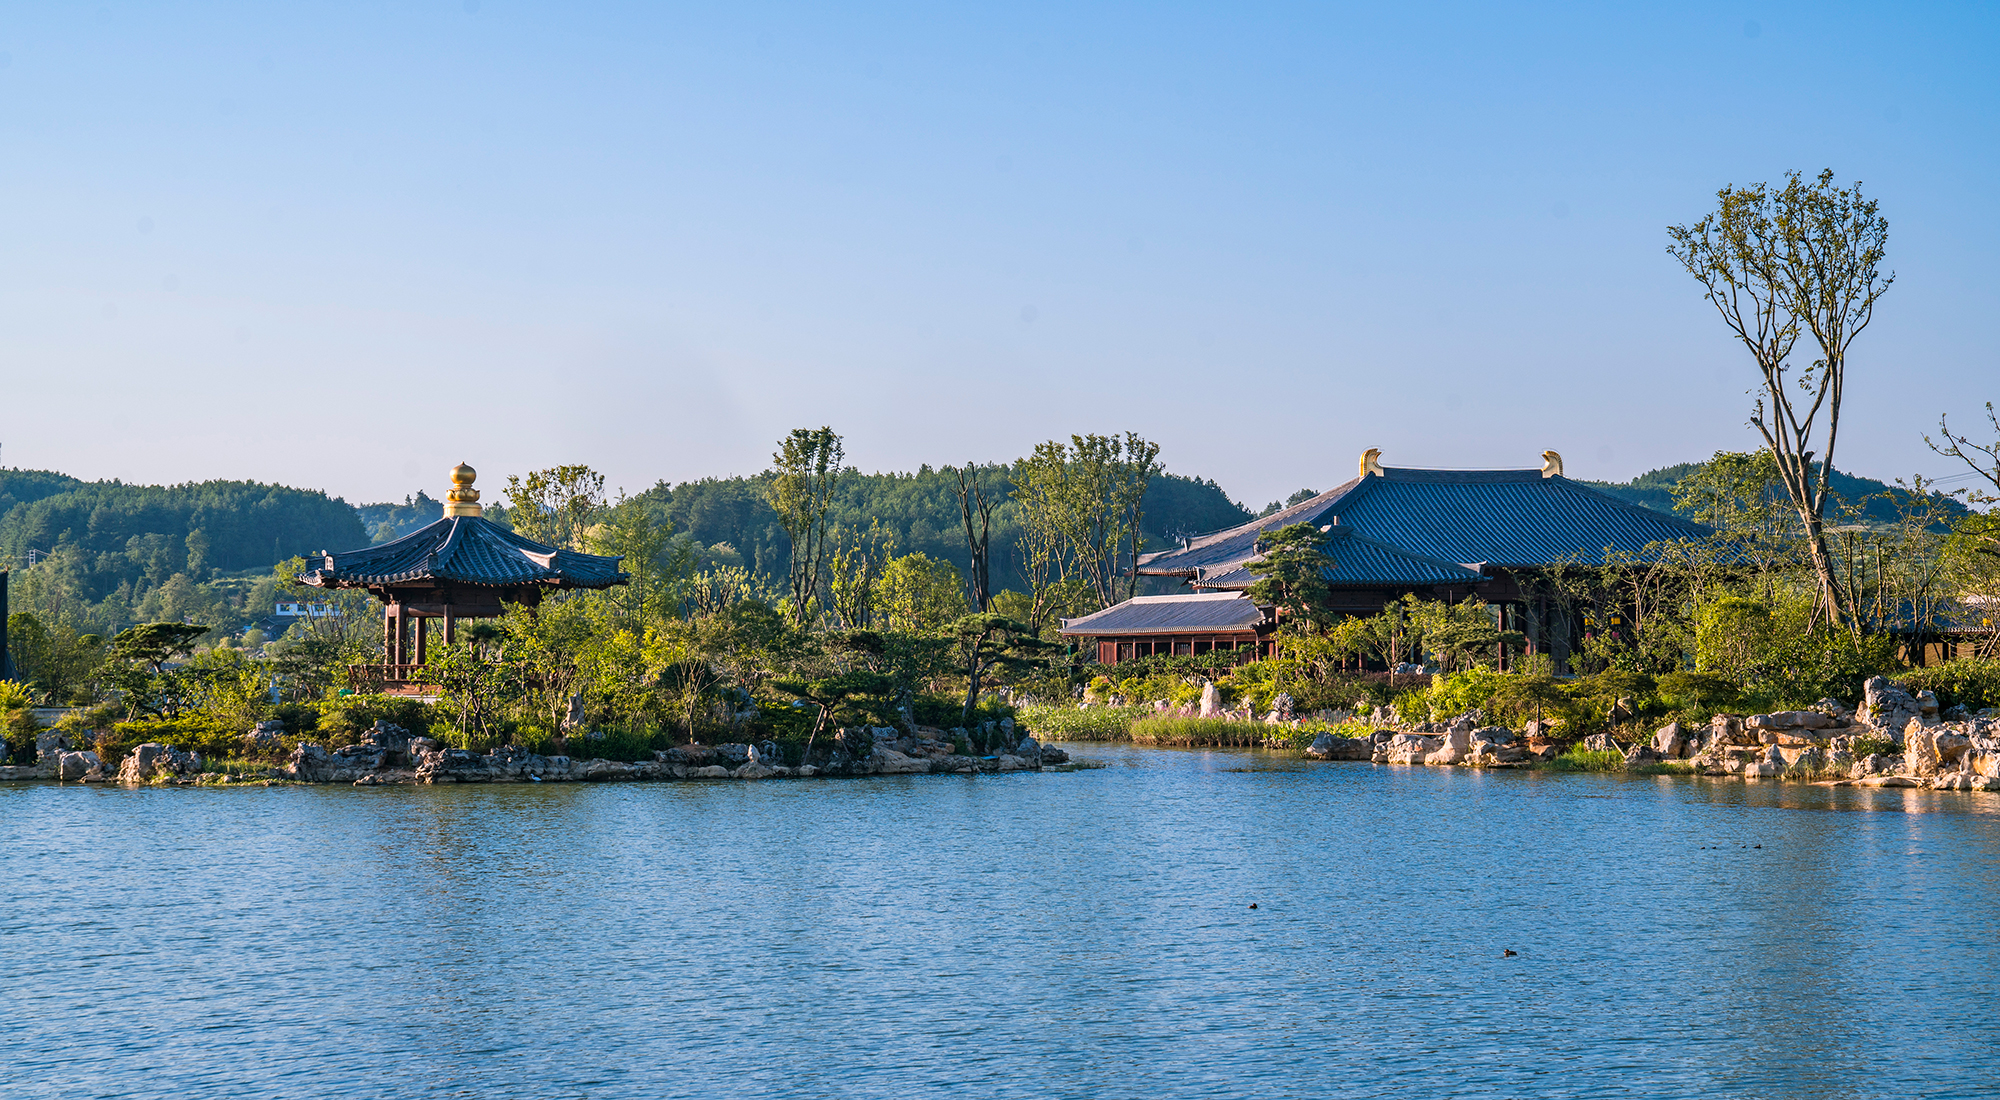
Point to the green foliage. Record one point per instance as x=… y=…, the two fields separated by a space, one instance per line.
x=57 y=660
x=1292 y=572
x=1067 y=723
x=1579 y=759
x=918 y=594
x=1198 y=732
x=1969 y=682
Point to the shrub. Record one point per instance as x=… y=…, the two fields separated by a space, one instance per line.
x=1968 y=682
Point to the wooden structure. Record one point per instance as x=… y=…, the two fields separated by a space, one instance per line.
x=1207 y=622
x=1442 y=534
x=464 y=566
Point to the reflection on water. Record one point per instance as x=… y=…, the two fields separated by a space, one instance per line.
x=1084 y=934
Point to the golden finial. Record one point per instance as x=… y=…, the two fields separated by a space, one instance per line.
x=1371 y=462
x=463 y=500
x=1552 y=464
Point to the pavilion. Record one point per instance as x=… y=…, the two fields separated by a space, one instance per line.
x=464 y=566
x=1442 y=534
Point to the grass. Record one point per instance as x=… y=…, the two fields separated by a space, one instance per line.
x=1199 y=732
x=1583 y=760
x=1081 y=723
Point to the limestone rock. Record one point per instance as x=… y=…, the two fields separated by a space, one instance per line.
x=1669 y=742
x=1887 y=707
x=72 y=766
x=1211 y=699
x=50 y=745
x=153 y=760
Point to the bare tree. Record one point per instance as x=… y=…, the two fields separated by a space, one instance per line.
x=973 y=504
x=1778 y=265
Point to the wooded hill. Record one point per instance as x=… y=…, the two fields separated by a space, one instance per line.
x=111 y=544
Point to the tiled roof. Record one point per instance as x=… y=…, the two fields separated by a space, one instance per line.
x=1357 y=562
x=1471 y=517
x=1199 y=613
x=467 y=550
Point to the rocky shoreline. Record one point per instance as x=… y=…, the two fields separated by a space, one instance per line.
x=390 y=756
x=1893 y=738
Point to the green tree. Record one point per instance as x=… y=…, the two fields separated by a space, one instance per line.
x=990 y=645
x=1292 y=574
x=1081 y=507
x=806 y=469
x=919 y=595
x=1779 y=264
x=556 y=506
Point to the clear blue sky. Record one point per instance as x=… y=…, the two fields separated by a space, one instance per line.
x=346 y=245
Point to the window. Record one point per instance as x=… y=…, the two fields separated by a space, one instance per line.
x=1182 y=649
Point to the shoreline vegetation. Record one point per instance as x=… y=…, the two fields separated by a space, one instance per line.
x=1893 y=737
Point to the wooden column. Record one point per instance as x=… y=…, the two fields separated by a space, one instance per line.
x=450 y=626
x=422 y=639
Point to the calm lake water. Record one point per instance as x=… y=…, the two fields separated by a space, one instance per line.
x=1086 y=934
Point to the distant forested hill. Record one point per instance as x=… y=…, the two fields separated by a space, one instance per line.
x=1655 y=490
x=918 y=511
x=109 y=554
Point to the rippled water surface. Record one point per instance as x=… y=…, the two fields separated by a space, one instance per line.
x=1086 y=934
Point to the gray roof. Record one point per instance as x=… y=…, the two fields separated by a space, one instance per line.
x=1197 y=613
x=466 y=550
x=1356 y=561
x=1506 y=518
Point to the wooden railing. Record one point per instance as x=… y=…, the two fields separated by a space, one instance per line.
x=385 y=679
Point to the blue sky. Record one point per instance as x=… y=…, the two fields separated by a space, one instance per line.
x=348 y=245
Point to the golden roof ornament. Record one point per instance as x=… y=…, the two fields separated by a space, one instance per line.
x=463 y=500
x=1371 y=462
x=1552 y=464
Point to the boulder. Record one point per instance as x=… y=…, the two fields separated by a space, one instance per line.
x=1211 y=699
x=1052 y=755
x=1601 y=742
x=1640 y=754
x=1789 y=719
x=733 y=755
x=72 y=766
x=1669 y=742
x=457 y=766
x=1761 y=770
x=153 y=760
x=311 y=763
x=1454 y=746
x=50 y=745
x=887 y=761
x=1887 y=707
x=1408 y=748
x=1891 y=781
x=264 y=738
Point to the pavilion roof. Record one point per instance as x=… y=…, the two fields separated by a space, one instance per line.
x=1475 y=518
x=470 y=550
x=1197 y=613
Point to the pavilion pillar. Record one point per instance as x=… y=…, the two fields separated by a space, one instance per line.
x=389 y=644
x=450 y=626
x=422 y=639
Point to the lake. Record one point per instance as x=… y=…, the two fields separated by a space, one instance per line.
x=1088 y=934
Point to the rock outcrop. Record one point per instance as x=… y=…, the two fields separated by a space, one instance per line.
x=153 y=760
